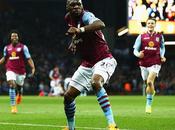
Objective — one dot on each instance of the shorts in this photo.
(146, 70)
(82, 77)
(19, 79)
(55, 83)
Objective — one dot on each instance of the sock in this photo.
(149, 100)
(19, 90)
(70, 114)
(103, 100)
(12, 94)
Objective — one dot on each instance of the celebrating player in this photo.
(55, 83)
(149, 48)
(97, 64)
(14, 55)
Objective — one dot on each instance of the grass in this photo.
(47, 113)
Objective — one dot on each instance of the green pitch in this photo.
(46, 113)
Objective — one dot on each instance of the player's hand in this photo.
(73, 31)
(72, 47)
(141, 54)
(33, 72)
(163, 59)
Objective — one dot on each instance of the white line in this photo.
(53, 126)
(170, 43)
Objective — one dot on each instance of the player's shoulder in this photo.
(21, 44)
(86, 12)
(67, 16)
(159, 33)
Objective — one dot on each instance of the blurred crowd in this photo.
(158, 9)
(44, 33)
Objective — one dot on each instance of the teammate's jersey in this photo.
(15, 57)
(55, 74)
(150, 44)
(92, 46)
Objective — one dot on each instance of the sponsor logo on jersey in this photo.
(150, 48)
(146, 38)
(13, 56)
(151, 44)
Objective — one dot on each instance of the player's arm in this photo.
(137, 45)
(2, 60)
(32, 66)
(91, 24)
(162, 49)
(29, 60)
(50, 75)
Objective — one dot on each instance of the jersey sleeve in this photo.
(162, 47)
(5, 51)
(137, 46)
(89, 18)
(26, 52)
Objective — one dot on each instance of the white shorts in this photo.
(146, 70)
(82, 77)
(55, 83)
(57, 91)
(19, 79)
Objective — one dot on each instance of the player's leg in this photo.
(103, 99)
(150, 90)
(19, 87)
(79, 81)
(11, 77)
(144, 74)
(70, 106)
(102, 72)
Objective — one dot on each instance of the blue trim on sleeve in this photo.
(89, 18)
(137, 43)
(162, 47)
(26, 52)
(5, 51)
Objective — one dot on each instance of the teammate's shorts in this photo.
(19, 79)
(55, 83)
(146, 70)
(82, 77)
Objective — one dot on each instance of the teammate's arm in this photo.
(137, 45)
(29, 60)
(162, 50)
(50, 75)
(2, 60)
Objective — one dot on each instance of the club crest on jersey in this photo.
(157, 39)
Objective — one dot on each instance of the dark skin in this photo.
(15, 40)
(97, 81)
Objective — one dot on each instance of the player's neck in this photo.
(14, 44)
(151, 32)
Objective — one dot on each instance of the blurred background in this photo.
(42, 25)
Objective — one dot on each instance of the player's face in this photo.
(151, 24)
(75, 8)
(14, 38)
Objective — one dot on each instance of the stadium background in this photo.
(41, 23)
